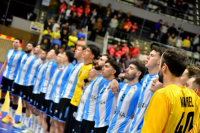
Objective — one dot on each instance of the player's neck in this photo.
(16, 49)
(52, 59)
(170, 79)
(31, 53)
(66, 63)
(37, 55)
(153, 70)
(80, 60)
(93, 78)
(111, 77)
(132, 82)
(45, 60)
(59, 64)
(88, 61)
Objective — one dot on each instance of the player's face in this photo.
(51, 54)
(107, 70)
(29, 48)
(184, 77)
(64, 56)
(131, 72)
(43, 55)
(152, 60)
(78, 52)
(87, 54)
(156, 85)
(59, 58)
(189, 83)
(16, 44)
(37, 49)
(101, 62)
(92, 73)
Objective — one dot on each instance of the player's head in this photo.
(68, 56)
(94, 72)
(173, 64)
(79, 52)
(111, 69)
(91, 52)
(17, 43)
(188, 73)
(43, 53)
(102, 60)
(156, 85)
(37, 49)
(60, 58)
(30, 47)
(51, 55)
(135, 70)
(153, 60)
(194, 84)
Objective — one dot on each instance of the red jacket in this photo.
(134, 52)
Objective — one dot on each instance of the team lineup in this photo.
(83, 93)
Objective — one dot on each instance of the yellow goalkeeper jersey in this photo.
(83, 74)
(173, 109)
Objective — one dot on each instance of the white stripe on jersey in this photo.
(34, 71)
(39, 79)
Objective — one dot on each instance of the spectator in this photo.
(126, 28)
(165, 38)
(93, 16)
(48, 24)
(81, 34)
(185, 7)
(195, 42)
(51, 9)
(56, 25)
(145, 4)
(178, 4)
(67, 14)
(126, 60)
(134, 51)
(172, 29)
(180, 30)
(128, 16)
(86, 3)
(73, 9)
(72, 28)
(72, 49)
(55, 46)
(143, 57)
(64, 37)
(79, 11)
(85, 18)
(157, 29)
(170, 4)
(96, 28)
(47, 32)
(118, 53)
(66, 27)
(99, 11)
(72, 40)
(80, 42)
(124, 49)
(179, 42)
(45, 43)
(61, 50)
(186, 43)
(105, 23)
(172, 40)
(72, 2)
(113, 25)
(139, 3)
(56, 41)
(56, 33)
(63, 7)
(191, 42)
(133, 30)
(163, 30)
(120, 14)
(107, 9)
(121, 24)
(111, 50)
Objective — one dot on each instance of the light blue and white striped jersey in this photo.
(40, 78)
(25, 69)
(48, 75)
(143, 102)
(13, 59)
(68, 90)
(53, 84)
(126, 106)
(106, 105)
(61, 83)
(90, 106)
(34, 71)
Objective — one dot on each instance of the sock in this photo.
(41, 130)
(10, 111)
(32, 121)
(35, 122)
(27, 119)
(1, 102)
(22, 118)
(38, 128)
(1, 105)
(13, 114)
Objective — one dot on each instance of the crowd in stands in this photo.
(170, 35)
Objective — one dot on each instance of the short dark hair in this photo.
(140, 67)
(70, 55)
(83, 47)
(176, 60)
(32, 43)
(109, 57)
(196, 82)
(192, 70)
(116, 66)
(56, 51)
(43, 47)
(160, 20)
(20, 41)
(160, 50)
(95, 50)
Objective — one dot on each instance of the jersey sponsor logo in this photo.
(142, 105)
(186, 102)
(120, 113)
(93, 97)
(102, 102)
(82, 101)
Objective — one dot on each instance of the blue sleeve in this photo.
(121, 84)
(157, 26)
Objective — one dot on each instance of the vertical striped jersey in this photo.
(126, 105)
(143, 102)
(13, 59)
(61, 83)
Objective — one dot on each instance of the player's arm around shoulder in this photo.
(157, 113)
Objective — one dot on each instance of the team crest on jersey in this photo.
(83, 72)
(130, 94)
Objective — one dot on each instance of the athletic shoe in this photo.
(13, 122)
(26, 131)
(7, 119)
(20, 126)
(18, 123)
